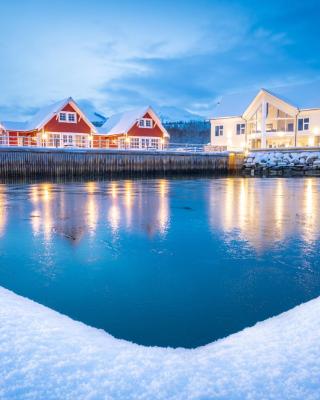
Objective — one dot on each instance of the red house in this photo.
(61, 124)
(136, 129)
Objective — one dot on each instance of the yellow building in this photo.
(268, 121)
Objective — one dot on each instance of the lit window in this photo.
(241, 129)
(155, 143)
(219, 130)
(134, 143)
(303, 124)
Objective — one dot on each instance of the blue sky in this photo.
(123, 54)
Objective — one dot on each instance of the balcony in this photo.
(271, 134)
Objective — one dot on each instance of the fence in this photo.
(28, 162)
(91, 142)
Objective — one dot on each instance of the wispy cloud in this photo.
(168, 53)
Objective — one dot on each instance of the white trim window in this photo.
(68, 117)
(218, 130)
(145, 123)
(134, 143)
(145, 143)
(241, 129)
(303, 124)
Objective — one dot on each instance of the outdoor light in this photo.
(315, 130)
(311, 141)
(127, 140)
(44, 136)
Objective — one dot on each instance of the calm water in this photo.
(163, 262)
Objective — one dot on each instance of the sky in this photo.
(115, 55)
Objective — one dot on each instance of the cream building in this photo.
(268, 121)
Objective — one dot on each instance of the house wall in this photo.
(55, 126)
(30, 138)
(232, 141)
(229, 139)
(146, 132)
(104, 141)
(312, 136)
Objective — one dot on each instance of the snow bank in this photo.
(45, 355)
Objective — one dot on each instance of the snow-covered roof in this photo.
(43, 116)
(121, 123)
(302, 96)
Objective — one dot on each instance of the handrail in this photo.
(91, 142)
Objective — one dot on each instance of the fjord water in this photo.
(167, 262)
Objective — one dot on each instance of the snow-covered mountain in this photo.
(174, 114)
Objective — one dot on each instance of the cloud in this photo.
(183, 54)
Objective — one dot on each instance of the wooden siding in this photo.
(55, 126)
(155, 131)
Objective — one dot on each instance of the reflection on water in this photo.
(163, 261)
(259, 214)
(265, 214)
(122, 204)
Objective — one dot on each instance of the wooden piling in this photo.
(69, 163)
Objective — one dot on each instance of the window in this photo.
(144, 143)
(81, 141)
(155, 143)
(67, 140)
(134, 143)
(219, 130)
(62, 117)
(290, 127)
(303, 124)
(70, 117)
(145, 123)
(241, 129)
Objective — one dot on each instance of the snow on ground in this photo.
(45, 355)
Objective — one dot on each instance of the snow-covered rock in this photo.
(45, 355)
(272, 159)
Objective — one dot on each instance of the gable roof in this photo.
(44, 115)
(121, 123)
(300, 96)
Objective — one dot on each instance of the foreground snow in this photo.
(45, 355)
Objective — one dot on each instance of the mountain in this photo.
(174, 114)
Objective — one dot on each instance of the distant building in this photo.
(136, 129)
(64, 124)
(269, 120)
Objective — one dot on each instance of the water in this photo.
(167, 262)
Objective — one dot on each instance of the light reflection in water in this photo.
(258, 212)
(92, 210)
(42, 214)
(163, 213)
(123, 203)
(265, 214)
